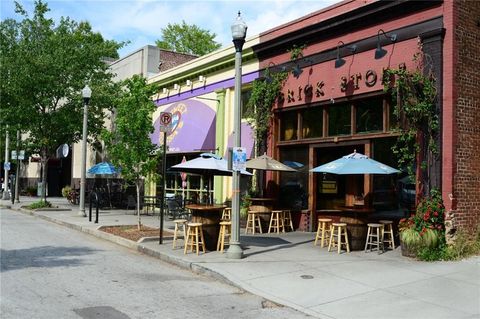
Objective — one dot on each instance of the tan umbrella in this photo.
(267, 163)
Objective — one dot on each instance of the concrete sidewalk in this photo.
(289, 270)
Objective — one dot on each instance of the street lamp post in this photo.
(239, 32)
(86, 94)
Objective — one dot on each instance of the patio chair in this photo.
(175, 210)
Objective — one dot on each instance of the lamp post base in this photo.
(235, 251)
(81, 213)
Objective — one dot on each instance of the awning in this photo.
(193, 127)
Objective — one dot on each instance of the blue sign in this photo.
(6, 166)
(239, 158)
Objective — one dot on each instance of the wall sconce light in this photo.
(165, 91)
(176, 87)
(339, 61)
(380, 52)
(202, 79)
(189, 83)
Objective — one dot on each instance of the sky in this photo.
(140, 21)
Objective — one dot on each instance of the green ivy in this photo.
(413, 96)
(259, 107)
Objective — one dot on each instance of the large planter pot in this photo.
(406, 251)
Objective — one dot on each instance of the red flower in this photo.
(435, 214)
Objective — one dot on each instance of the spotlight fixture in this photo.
(339, 61)
(176, 87)
(202, 79)
(189, 83)
(380, 52)
(165, 91)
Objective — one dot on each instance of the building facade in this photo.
(334, 102)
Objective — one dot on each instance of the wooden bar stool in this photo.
(183, 223)
(339, 230)
(287, 219)
(225, 231)
(374, 237)
(388, 231)
(323, 230)
(194, 238)
(227, 214)
(253, 222)
(276, 222)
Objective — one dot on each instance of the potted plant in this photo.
(425, 228)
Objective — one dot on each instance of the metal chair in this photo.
(175, 210)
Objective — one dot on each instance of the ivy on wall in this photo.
(414, 99)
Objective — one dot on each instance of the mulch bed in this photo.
(131, 231)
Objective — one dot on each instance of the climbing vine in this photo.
(413, 96)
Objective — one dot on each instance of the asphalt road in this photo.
(48, 271)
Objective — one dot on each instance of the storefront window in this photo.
(288, 126)
(339, 120)
(312, 123)
(293, 192)
(369, 115)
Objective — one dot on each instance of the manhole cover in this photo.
(306, 276)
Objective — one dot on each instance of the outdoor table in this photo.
(209, 216)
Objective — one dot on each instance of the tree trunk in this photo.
(137, 185)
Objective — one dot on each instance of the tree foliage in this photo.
(185, 38)
(129, 145)
(44, 66)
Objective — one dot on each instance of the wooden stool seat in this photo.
(323, 230)
(276, 222)
(374, 236)
(194, 238)
(339, 237)
(253, 222)
(388, 231)
(225, 231)
(183, 223)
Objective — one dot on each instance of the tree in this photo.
(129, 145)
(188, 39)
(44, 66)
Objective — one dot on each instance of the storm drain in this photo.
(306, 276)
(100, 312)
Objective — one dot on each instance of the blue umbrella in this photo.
(103, 168)
(355, 163)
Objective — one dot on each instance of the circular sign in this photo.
(165, 118)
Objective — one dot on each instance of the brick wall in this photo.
(467, 115)
(170, 59)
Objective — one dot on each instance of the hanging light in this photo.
(339, 61)
(380, 52)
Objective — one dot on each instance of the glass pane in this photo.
(288, 126)
(312, 123)
(339, 120)
(294, 186)
(369, 115)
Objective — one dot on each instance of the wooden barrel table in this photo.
(356, 219)
(209, 216)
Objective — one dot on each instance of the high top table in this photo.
(209, 216)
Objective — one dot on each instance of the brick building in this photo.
(337, 80)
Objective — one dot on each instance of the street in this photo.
(48, 271)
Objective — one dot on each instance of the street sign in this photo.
(165, 121)
(239, 158)
(21, 155)
(6, 166)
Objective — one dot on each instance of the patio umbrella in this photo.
(355, 163)
(207, 165)
(103, 168)
(267, 163)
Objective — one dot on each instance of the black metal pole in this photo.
(162, 199)
(90, 209)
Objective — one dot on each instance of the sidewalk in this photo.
(290, 271)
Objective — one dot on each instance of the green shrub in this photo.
(40, 204)
(31, 191)
(66, 191)
(411, 238)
